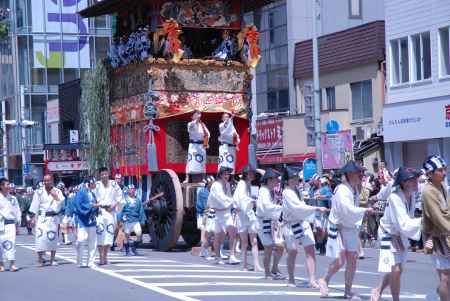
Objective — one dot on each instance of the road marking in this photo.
(184, 270)
(194, 276)
(282, 293)
(149, 286)
(189, 284)
(167, 265)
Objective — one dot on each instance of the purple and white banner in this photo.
(69, 46)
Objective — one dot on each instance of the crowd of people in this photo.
(324, 215)
(327, 215)
(93, 216)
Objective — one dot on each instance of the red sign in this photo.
(269, 136)
(447, 112)
(280, 159)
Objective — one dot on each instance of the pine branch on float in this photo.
(96, 115)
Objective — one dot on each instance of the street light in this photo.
(23, 124)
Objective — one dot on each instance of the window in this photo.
(362, 100)
(271, 25)
(355, 9)
(399, 61)
(421, 51)
(272, 76)
(331, 98)
(278, 101)
(444, 52)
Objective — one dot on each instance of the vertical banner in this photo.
(60, 17)
(337, 149)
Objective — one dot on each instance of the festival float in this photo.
(170, 58)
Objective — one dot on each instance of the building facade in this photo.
(279, 91)
(51, 44)
(352, 86)
(416, 118)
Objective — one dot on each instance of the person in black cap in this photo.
(268, 213)
(396, 226)
(436, 221)
(342, 244)
(85, 209)
(296, 229)
(248, 224)
(221, 201)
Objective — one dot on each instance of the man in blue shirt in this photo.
(85, 209)
(132, 216)
(202, 215)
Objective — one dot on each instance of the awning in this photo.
(285, 159)
(108, 7)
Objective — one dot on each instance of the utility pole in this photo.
(316, 85)
(4, 140)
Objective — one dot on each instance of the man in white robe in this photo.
(248, 223)
(296, 229)
(345, 216)
(45, 207)
(396, 226)
(220, 199)
(268, 214)
(10, 216)
(198, 143)
(229, 142)
(109, 197)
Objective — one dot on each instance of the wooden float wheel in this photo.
(166, 212)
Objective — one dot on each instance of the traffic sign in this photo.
(332, 127)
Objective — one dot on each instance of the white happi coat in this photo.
(111, 196)
(247, 216)
(196, 162)
(220, 199)
(398, 221)
(345, 216)
(227, 148)
(10, 212)
(268, 214)
(295, 215)
(46, 231)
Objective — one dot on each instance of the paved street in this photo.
(180, 276)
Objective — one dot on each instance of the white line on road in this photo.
(166, 265)
(183, 270)
(131, 280)
(194, 276)
(189, 284)
(282, 293)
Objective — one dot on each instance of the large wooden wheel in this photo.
(166, 212)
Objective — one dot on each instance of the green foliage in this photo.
(4, 29)
(96, 115)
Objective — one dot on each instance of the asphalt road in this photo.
(178, 275)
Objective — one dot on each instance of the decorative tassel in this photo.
(172, 29)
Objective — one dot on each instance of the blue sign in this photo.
(2, 173)
(309, 168)
(332, 127)
(26, 169)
